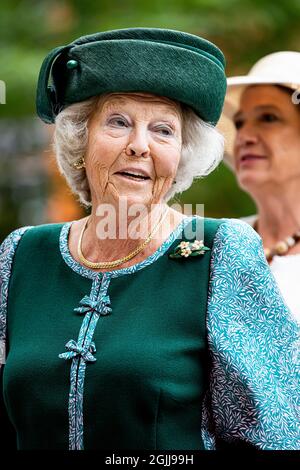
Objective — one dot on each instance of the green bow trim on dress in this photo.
(186, 249)
(75, 350)
(99, 306)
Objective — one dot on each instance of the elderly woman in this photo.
(152, 341)
(264, 109)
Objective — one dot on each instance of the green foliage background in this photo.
(245, 30)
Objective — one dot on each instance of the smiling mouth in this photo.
(247, 158)
(132, 176)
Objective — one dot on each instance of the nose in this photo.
(246, 136)
(138, 145)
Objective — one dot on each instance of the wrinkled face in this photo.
(267, 144)
(134, 148)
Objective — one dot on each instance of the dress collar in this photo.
(91, 274)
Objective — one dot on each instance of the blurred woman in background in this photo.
(264, 108)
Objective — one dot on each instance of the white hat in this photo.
(279, 68)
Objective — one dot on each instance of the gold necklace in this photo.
(282, 247)
(117, 262)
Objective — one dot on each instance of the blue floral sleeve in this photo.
(254, 387)
(7, 251)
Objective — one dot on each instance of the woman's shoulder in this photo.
(223, 233)
(12, 240)
(232, 229)
(236, 246)
(35, 229)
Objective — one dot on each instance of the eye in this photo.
(164, 130)
(118, 121)
(268, 117)
(238, 123)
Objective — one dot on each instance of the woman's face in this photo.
(134, 148)
(267, 143)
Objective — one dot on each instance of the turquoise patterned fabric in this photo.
(82, 352)
(253, 394)
(7, 251)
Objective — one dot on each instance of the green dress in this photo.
(182, 353)
(134, 372)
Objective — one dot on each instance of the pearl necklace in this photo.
(282, 247)
(117, 262)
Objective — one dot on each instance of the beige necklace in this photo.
(117, 262)
(282, 247)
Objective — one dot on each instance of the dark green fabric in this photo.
(8, 433)
(174, 64)
(145, 390)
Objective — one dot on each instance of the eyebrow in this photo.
(167, 121)
(257, 108)
(170, 121)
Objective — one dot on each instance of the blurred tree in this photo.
(28, 29)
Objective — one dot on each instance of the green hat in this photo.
(174, 64)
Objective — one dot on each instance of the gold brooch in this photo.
(186, 249)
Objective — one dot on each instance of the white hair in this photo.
(202, 148)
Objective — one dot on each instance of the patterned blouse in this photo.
(254, 385)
